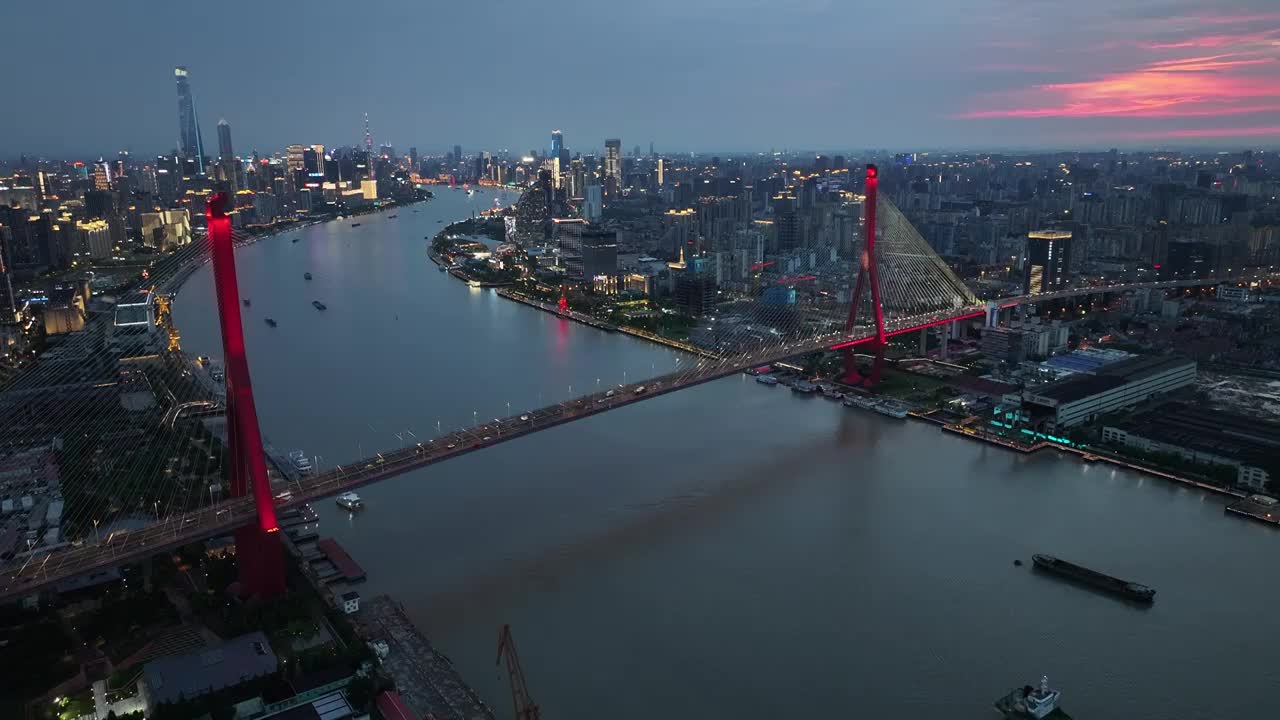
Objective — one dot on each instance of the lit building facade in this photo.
(1048, 261)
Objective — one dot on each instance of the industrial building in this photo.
(1201, 435)
(183, 677)
(1116, 386)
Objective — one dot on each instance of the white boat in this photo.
(860, 401)
(891, 409)
(300, 462)
(766, 380)
(1029, 702)
(350, 501)
(829, 392)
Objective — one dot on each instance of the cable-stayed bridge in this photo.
(116, 424)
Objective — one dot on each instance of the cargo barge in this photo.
(1071, 571)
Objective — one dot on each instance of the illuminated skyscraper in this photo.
(1048, 260)
(224, 140)
(557, 144)
(102, 175)
(612, 175)
(192, 147)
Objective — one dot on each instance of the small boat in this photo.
(442, 268)
(804, 387)
(350, 501)
(296, 239)
(1032, 703)
(766, 380)
(392, 217)
(300, 462)
(355, 224)
(319, 305)
(439, 221)
(306, 276)
(829, 392)
(269, 322)
(892, 409)
(247, 302)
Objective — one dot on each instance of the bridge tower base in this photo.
(259, 553)
(868, 277)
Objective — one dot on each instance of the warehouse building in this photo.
(1117, 386)
(1202, 435)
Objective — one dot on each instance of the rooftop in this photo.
(1221, 433)
(1107, 377)
(187, 676)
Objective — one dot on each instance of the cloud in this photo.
(1182, 82)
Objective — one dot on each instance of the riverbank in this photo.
(547, 307)
(425, 678)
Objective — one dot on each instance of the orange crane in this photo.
(525, 708)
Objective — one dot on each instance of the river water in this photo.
(732, 549)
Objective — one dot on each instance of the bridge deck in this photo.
(31, 573)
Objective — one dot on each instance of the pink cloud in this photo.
(1237, 80)
(1215, 41)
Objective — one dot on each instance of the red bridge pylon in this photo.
(259, 553)
(868, 275)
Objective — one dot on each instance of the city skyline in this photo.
(998, 75)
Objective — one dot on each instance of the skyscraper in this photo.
(1048, 259)
(192, 148)
(224, 140)
(557, 144)
(612, 166)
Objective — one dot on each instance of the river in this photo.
(731, 549)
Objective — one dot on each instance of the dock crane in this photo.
(525, 708)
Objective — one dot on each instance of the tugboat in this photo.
(319, 305)
(350, 501)
(306, 276)
(1028, 702)
(270, 322)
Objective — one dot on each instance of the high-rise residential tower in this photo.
(192, 147)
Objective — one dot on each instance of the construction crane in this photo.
(525, 708)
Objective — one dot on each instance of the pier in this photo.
(425, 678)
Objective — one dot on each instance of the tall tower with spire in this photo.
(191, 145)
